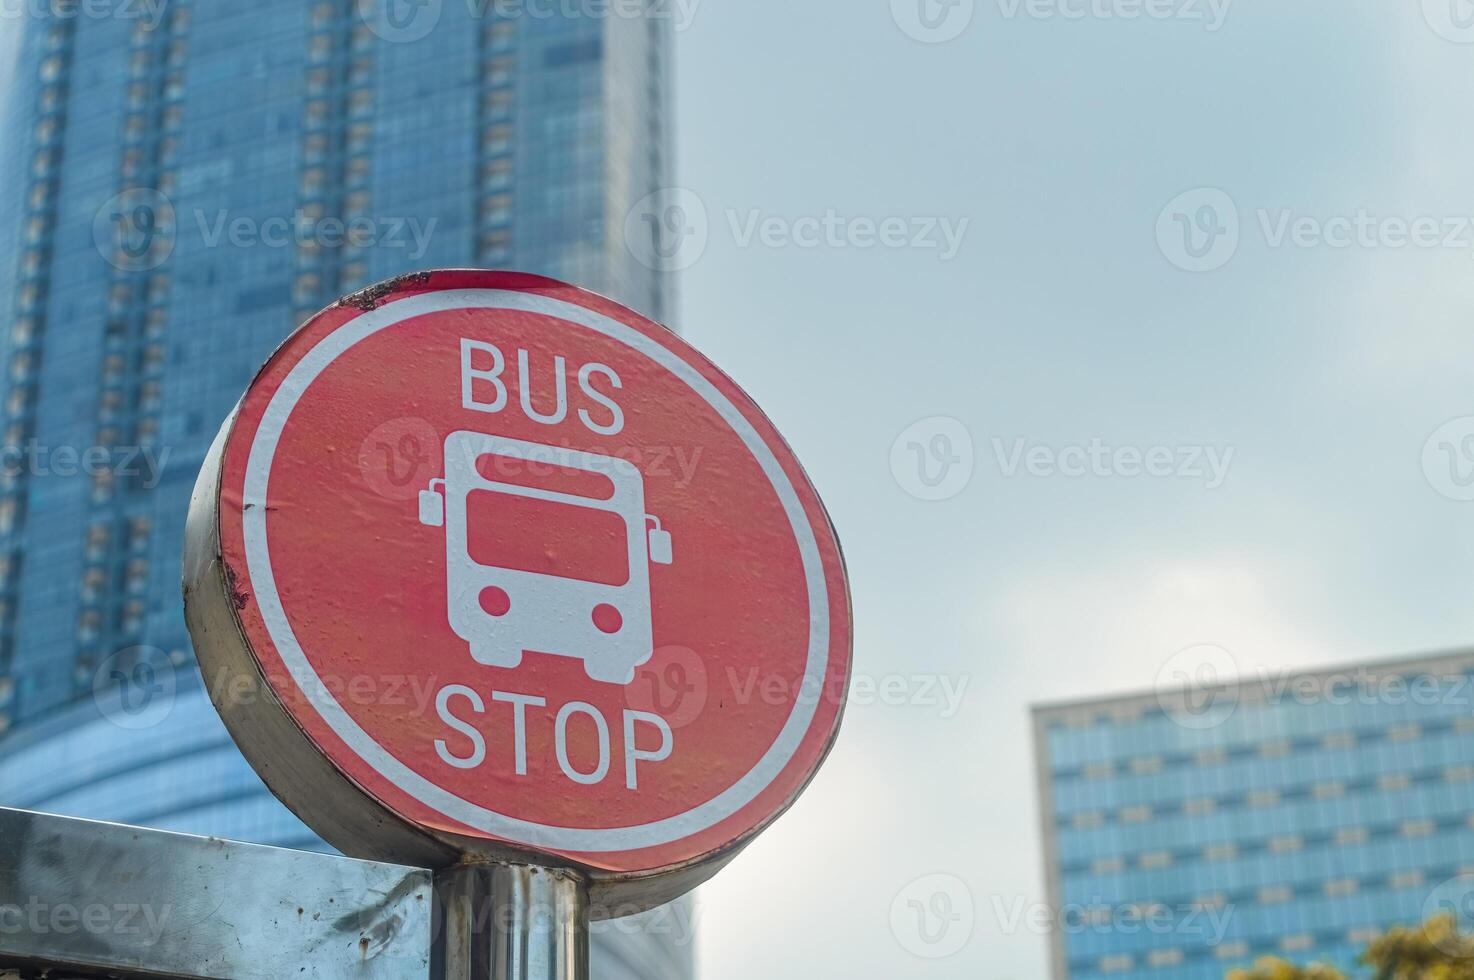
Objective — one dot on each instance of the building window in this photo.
(1226, 851)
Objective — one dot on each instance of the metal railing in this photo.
(107, 900)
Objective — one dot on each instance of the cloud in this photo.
(1407, 311)
(1115, 627)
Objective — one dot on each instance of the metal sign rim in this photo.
(330, 801)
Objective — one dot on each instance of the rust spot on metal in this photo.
(371, 297)
(238, 596)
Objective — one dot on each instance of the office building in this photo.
(182, 182)
(1295, 815)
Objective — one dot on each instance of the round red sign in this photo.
(517, 572)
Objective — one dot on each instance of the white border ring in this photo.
(587, 840)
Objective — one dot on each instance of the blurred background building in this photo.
(1298, 815)
(182, 182)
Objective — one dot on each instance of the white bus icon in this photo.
(547, 550)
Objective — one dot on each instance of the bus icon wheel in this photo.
(608, 672)
(493, 655)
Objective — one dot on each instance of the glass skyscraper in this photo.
(1190, 831)
(182, 182)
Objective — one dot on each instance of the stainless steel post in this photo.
(510, 922)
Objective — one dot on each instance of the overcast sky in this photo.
(1198, 232)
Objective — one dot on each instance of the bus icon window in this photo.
(547, 550)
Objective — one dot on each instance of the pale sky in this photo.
(1314, 362)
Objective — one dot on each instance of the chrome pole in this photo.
(510, 922)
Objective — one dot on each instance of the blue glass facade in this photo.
(182, 182)
(179, 194)
(1295, 816)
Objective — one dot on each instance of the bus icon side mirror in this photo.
(432, 506)
(662, 551)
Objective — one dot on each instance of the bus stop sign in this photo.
(484, 566)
